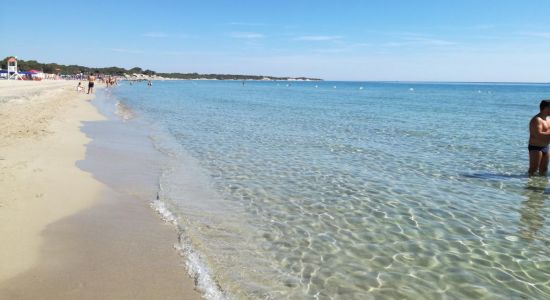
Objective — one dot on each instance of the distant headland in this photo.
(54, 68)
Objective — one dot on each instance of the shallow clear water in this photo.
(347, 190)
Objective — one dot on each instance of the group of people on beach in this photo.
(109, 81)
(91, 83)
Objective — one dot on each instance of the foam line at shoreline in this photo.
(195, 264)
(67, 224)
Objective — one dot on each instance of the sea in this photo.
(348, 190)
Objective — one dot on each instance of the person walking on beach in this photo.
(91, 81)
(539, 138)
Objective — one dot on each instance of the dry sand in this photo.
(64, 234)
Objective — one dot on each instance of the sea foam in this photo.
(195, 266)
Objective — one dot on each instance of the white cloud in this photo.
(332, 50)
(542, 34)
(246, 24)
(247, 35)
(343, 48)
(161, 35)
(155, 34)
(123, 50)
(318, 38)
(419, 40)
(430, 41)
(394, 44)
(176, 53)
(470, 27)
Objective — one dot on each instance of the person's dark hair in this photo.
(544, 104)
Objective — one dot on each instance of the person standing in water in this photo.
(91, 81)
(539, 138)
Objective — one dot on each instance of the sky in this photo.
(391, 40)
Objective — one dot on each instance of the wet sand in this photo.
(66, 233)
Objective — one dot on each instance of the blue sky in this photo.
(440, 40)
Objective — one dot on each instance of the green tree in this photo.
(137, 70)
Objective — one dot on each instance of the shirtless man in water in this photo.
(91, 81)
(539, 138)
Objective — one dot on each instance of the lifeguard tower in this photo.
(12, 69)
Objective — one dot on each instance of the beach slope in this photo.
(65, 235)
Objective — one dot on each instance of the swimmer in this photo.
(539, 138)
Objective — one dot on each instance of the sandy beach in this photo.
(65, 234)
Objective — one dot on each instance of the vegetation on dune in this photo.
(25, 65)
(227, 76)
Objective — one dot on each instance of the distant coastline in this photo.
(196, 76)
(55, 68)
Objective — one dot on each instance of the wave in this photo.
(195, 263)
(196, 268)
(124, 111)
(166, 207)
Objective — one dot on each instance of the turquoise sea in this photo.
(350, 190)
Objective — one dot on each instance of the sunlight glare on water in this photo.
(366, 191)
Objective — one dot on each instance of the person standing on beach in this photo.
(91, 81)
(539, 138)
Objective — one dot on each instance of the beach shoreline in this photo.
(70, 235)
